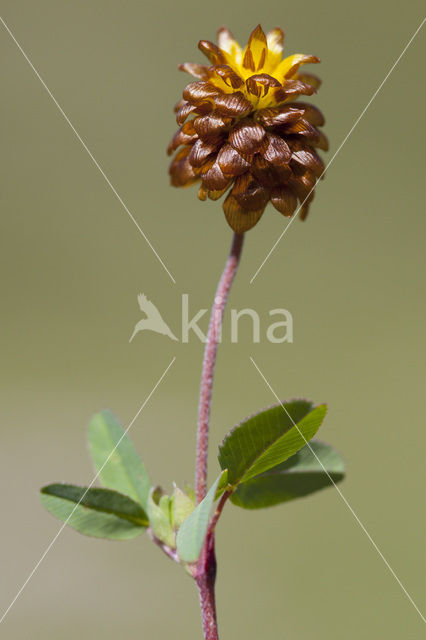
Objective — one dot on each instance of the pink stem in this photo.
(206, 568)
(205, 580)
(210, 352)
(218, 512)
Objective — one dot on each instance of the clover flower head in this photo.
(244, 131)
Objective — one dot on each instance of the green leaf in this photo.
(182, 507)
(124, 471)
(190, 492)
(267, 438)
(160, 516)
(297, 477)
(101, 513)
(223, 485)
(191, 535)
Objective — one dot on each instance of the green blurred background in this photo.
(72, 264)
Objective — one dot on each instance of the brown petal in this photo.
(229, 77)
(322, 142)
(197, 92)
(247, 137)
(275, 117)
(202, 193)
(249, 193)
(178, 105)
(237, 217)
(284, 201)
(311, 113)
(207, 165)
(200, 71)
(292, 88)
(307, 158)
(231, 162)
(179, 138)
(181, 172)
(184, 112)
(268, 175)
(256, 50)
(211, 125)
(213, 53)
(214, 180)
(215, 195)
(260, 83)
(305, 131)
(276, 150)
(232, 104)
(200, 151)
(303, 186)
(303, 213)
(188, 128)
(204, 108)
(310, 78)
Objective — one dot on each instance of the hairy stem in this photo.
(206, 569)
(205, 582)
(218, 512)
(210, 352)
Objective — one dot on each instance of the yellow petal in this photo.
(288, 67)
(256, 50)
(275, 41)
(229, 45)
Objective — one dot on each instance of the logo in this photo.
(275, 332)
(153, 320)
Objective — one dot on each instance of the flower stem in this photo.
(210, 352)
(206, 569)
(205, 580)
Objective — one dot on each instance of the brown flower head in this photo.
(248, 132)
